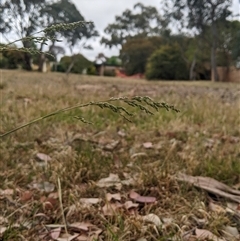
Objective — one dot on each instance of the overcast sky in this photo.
(103, 12)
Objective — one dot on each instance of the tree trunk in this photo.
(101, 70)
(42, 58)
(70, 66)
(192, 75)
(41, 62)
(27, 61)
(213, 53)
(214, 65)
(27, 56)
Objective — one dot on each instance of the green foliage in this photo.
(114, 61)
(136, 51)
(62, 17)
(29, 12)
(91, 70)
(193, 50)
(11, 58)
(167, 63)
(31, 17)
(229, 41)
(65, 14)
(3, 62)
(205, 17)
(145, 21)
(109, 72)
(80, 63)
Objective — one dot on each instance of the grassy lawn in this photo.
(39, 193)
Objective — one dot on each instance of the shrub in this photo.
(91, 70)
(166, 63)
(3, 62)
(80, 63)
(109, 72)
(135, 53)
(10, 58)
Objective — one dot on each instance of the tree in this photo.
(136, 51)
(145, 21)
(166, 63)
(194, 52)
(200, 15)
(114, 61)
(21, 18)
(64, 11)
(81, 63)
(11, 58)
(25, 17)
(229, 39)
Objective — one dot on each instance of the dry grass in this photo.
(203, 139)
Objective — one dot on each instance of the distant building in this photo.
(107, 66)
(228, 74)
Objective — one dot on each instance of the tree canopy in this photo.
(204, 17)
(136, 51)
(167, 64)
(26, 17)
(142, 21)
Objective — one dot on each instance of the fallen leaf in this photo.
(237, 186)
(233, 206)
(78, 226)
(128, 182)
(130, 204)
(115, 196)
(95, 234)
(152, 218)
(121, 133)
(167, 220)
(55, 225)
(26, 196)
(90, 201)
(203, 234)
(216, 208)
(141, 199)
(2, 230)
(82, 237)
(211, 185)
(231, 232)
(111, 146)
(41, 215)
(133, 194)
(3, 220)
(53, 195)
(44, 186)
(200, 221)
(145, 199)
(97, 231)
(112, 180)
(49, 203)
(43, 157)
(6, 192)
(148, 145)
(55, 233)
(67, 237)
(138, 154)
(117, 161)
